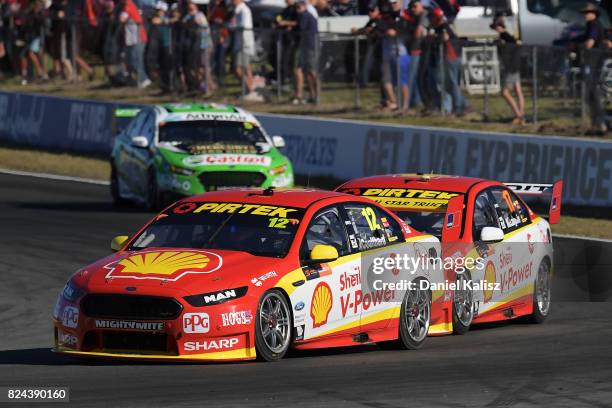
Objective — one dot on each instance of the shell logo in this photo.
(321, 304)
(489, 277)
(164, 265)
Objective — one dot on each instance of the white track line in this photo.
(53, 177)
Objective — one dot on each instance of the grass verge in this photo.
(20, 158)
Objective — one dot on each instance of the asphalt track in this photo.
(48, 229)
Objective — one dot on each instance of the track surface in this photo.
(48, 229)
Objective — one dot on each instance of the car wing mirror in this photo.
(322, 253)
(491, 235)
(278, 141)
(140, 142)
(119, 242)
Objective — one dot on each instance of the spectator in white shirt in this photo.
(243, 47)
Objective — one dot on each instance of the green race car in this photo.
(176, 150)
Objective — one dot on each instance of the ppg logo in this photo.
(196, 323)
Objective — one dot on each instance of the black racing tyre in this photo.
(541, 293)
(114, 187)
(273, 324)
(155, 199)
(463, 305)
(414, 320)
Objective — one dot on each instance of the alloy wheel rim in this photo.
(417, 314)
(463, 300)
(543, 289)
(274, 323)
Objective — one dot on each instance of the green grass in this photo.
(581, 222)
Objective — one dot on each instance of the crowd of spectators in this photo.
(185, 47)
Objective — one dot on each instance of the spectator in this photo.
(285, 24)
(371, 29)
(60, 48)
(395, 59)
(510, 57)
(451, 98)
(593, 42)
(340, 8)
(244, 48)
(218, 16)
(307, 54)
(135, 38)
(159, 52)
(415, 21)
(176, 41)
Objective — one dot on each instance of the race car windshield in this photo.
(256, 229)
(209, 132)
(428, 222)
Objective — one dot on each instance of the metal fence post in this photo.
(243, 65)
(398, 90)
(280, 78)
(485, 106)
(356, 75)
(316, 68)
(584, 113)
(534, 93)
(442, 78)
(73, 45)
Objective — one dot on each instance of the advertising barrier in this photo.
(345, 149)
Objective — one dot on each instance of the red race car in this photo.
(231, 275)
(485, 221)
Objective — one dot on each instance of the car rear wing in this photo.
(122, 118)
(555, 190)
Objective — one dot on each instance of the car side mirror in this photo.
(323, 253)
(140, 142)
(119, 242)
(278, 141)
(491, 234)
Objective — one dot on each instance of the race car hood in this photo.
(181, 271)
(242, 157)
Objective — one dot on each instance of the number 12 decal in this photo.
(370, 216)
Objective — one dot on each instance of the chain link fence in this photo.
(337, 72)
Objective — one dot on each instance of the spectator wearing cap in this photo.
(593, 43)
(159, 52)
(510, 57)
(135, 38)
(373, 41)
(451, 98)
(244, 47)
(307, 54)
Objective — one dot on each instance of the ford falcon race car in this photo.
(484, 220)
(186, 149)
(245, 273)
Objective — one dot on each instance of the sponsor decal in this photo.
(513, 277)
(227, 159)
(405, 198)
(231, 208)
(236, 318)
(299, 332)
(356, 301)
(212, 345)
(227, 116)
(215, 298)
(259, 280)
(66, 339)
(505, 257)
(196, 323)
(70, 317)
(164, 265)
(299, 306)
(490, 276)
(530, 243)
(129, 325)
(321, 304)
